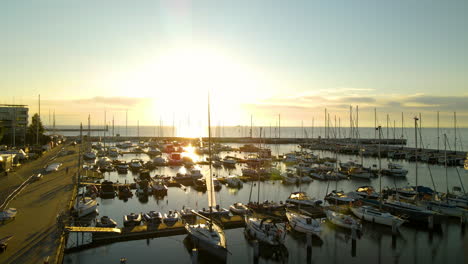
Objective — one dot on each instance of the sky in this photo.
(159, 60)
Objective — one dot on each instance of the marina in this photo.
(208, 132)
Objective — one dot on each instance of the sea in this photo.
(427, 137)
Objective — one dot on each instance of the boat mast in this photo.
(380, 171)
(455, 131)
(416, 149)
(438, 133)
(445, 163)
(375, 122)
(210, 191)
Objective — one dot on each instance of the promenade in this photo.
(35, 231)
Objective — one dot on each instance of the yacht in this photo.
(342, 220)
(374, 215)
(85, 206)
(302, 199)
(304, 224)
(234, 182)
(264, 230)
(239, 208)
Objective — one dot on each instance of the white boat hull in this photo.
(299, 224)
(388, 221)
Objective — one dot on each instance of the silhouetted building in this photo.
(13, 123)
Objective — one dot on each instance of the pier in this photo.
(103, 236)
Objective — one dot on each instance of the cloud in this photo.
(112, 101)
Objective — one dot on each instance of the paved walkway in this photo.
(35, 228)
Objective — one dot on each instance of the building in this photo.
(13, 124)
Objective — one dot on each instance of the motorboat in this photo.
(229, 162)
(132, 220)
(113, 152)
(107, 189)
(217, 164)
(105, 221)
(318, 175)
(85, 205)
(267, 207)
(335, 175)
(195, 174)
(305, 179)
(135, 164)
(365, 192)
(159, 161)
(338, 197)
(343, 220)
(175, 159)
(171, 217)
(247, 172)
(233, 182)
(217, 185)
(187, 214)
(302, 199)
(90, 155)
(143, 187)
(153, 217)
(304, 224)
(372, 214)
(125, 144)
(239, 208)
(360, 173)
(153, 151)
(289, 178)
(159, 188)
(121, 168)
(217, 211)
(264, 230)
(395, 170)
(124, 192)
(199, 185)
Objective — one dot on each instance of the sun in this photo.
(179, 79)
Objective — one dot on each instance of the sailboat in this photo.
(445, 207)
(209, 237)
(301, 222)
(84, 205)
(375, 215)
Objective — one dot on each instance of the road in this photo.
(35, 231)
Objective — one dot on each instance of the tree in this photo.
(32, 133)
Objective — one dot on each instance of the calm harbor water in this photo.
(414, 245)
(429, 135)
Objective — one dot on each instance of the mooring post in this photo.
(256, 251)
(353, 241)
(394, 233)
(194, 255)
(463, 223)
(309, 247)
(430, 221)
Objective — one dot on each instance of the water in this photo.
(429, 136)
(412, 246)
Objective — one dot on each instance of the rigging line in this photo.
(430, 171)
(458, 172)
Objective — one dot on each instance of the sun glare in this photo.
(179, 81)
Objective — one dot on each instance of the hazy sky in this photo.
(158, 59)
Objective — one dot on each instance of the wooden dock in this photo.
(102, 236)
